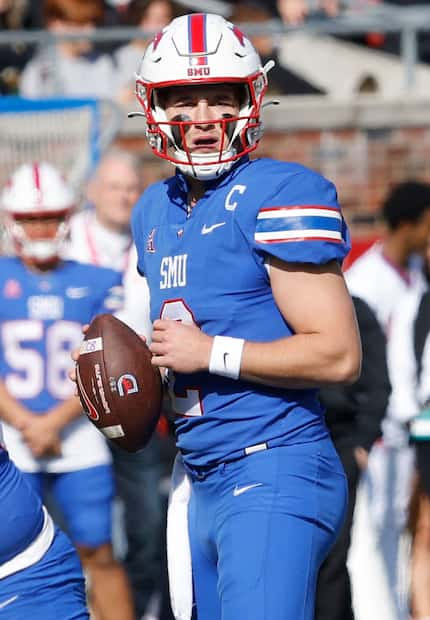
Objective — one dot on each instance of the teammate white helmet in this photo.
(36, 191)
(201, 49)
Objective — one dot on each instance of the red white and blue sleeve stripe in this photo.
(282, 224)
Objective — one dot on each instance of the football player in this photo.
(40, 573)
(250, 314)
(44, 303)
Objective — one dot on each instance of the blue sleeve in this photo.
(302, 221)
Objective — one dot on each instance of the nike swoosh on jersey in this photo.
(76, 292)
(239, 490)
(208, 229)
(9, 601)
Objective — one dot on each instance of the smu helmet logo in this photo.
(127, 384)
(198, 71)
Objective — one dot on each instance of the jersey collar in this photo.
(213, 184)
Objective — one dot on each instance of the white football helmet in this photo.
(36, 191)
(201, 49)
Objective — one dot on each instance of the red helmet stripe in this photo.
(37, 185)
(197, 36)
(36, 176)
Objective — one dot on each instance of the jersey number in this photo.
(30, 370)
(188, 401)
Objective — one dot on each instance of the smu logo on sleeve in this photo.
(173, 271)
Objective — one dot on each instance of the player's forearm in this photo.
(301, 361)
(11, 410)
(65, 412)
(298, 361)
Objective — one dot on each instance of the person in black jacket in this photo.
(353, 415)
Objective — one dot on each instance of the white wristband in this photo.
(226, 356)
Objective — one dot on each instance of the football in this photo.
(119, 389)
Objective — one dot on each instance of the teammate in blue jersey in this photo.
(250, 315)
(40, 573)
(44, 303)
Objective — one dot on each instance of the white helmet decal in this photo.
(201, 49)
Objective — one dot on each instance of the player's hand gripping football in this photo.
(75, 356)
(182, 347)
(178, 346)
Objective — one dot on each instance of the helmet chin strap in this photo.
(197, 168)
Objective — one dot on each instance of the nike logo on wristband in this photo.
(225, 357)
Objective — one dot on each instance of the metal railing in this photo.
(359, 17)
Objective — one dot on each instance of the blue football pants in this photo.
(260, 527)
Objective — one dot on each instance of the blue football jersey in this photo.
(209, 267)
(41, 318)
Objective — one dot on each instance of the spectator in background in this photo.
(101, 235)
(353, 415)
(294, 12)
(392, 42)
(100, 232)
(151, 16)
(114, 12)
(45, 301)
(382, 276)
(353, 70)
(70, 68)
(283, 81)
(16, 15)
